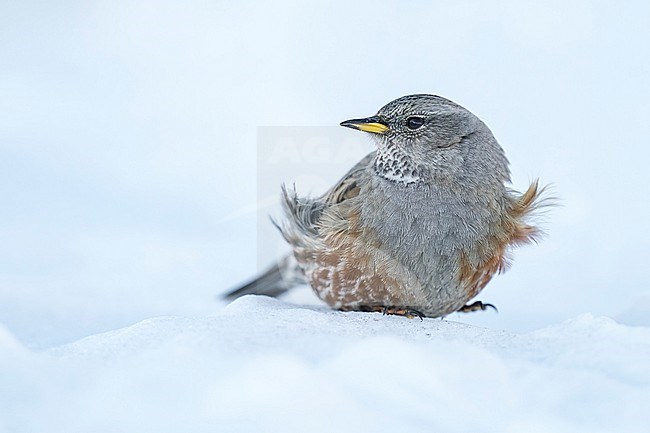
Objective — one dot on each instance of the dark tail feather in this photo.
(275, 281)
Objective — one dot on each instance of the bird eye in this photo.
(414, 122)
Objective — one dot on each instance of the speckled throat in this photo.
(394, 164)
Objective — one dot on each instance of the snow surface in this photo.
(133, 177)
(263, 365)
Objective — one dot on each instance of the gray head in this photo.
(424, 137)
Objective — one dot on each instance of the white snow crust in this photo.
(263, 365)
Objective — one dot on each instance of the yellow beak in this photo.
(371, 124)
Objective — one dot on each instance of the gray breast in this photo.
(425, 228)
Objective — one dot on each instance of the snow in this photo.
(261, 364)
(136, 182)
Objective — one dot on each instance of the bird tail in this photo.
(276, 280)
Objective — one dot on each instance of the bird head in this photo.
(425, 136)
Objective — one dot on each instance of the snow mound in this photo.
(264, 365)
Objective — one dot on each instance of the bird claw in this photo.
(476, 306)
(409, 313)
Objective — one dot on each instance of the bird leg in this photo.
(476, 306)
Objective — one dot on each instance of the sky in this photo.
(130, 139)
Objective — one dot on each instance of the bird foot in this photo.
(407, 312)
(402, 311)
(476, 306)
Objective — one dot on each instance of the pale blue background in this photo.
(128, 142)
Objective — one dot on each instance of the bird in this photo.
(418, 227)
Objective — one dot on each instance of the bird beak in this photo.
(370, 124)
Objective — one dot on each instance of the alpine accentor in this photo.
(418, 227)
